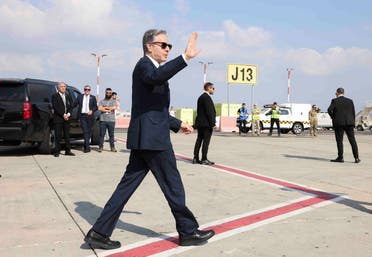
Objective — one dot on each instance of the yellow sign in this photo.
(241, 74)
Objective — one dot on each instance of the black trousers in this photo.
(164, 168)
(86, 122)
(339, 133)
(59, 129)
(204, 137)
(243, 124)
(276, 121)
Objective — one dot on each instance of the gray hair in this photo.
(149, 37)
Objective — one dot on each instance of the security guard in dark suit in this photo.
(342, 112)
(149, 141)
(205, 121)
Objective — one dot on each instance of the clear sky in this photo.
(328, 44)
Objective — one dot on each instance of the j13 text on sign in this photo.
(241, 74)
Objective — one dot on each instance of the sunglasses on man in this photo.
(163, 45)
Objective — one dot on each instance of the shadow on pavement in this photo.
(21, 150)
(90, 213)
(306, 157)
(357, 205)
(27, 149)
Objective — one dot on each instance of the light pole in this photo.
(205, 64)
(289, 83)
(99, 57)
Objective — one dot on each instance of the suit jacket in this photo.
(150, 120)
(79, 102)
(342, 112)
(59, 107)
(206, 113)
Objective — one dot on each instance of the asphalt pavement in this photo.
(265, 196)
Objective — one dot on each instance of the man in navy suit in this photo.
(342, 112)
(87, 105)
(149, 141)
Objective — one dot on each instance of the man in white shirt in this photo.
(87, 106)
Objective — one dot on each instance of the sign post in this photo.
(245, 74)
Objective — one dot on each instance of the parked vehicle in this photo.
(293, 117)
(26, 113)
(324, 120)
(363, 120)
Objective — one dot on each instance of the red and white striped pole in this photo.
(205, 70)
(205, 73)
(98, 77)
(289, 83)
(99, 57)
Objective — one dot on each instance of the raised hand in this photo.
(191, 50)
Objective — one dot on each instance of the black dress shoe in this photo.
(199, 236)
(357, 160)
(195, 161)
(69, 153)
(97, 240)
(86, 150)
(207, 162)
(338, 160)
(56, 154)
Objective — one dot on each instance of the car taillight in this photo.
(27, 111)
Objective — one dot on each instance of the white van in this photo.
(293, 117)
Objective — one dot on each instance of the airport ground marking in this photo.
(167, 245)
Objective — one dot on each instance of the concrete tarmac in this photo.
(258, 197)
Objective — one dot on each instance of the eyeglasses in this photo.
(163, 45)
(86, 89)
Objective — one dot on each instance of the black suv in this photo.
(26, 113)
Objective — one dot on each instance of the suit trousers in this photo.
(204, 137)
(339, 133)
(164, 168)
(60, 128)
(86, 122)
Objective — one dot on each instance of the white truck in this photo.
(324, 120)
(293, 117)
(363, 120)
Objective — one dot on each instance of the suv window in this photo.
(73, 93)
(284, 112)
(41, 92)
(12, 92)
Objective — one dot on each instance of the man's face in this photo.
(62, 88)
(155, 49)
(211, 90)
(87, 90)
(108, 93)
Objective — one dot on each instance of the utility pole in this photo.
(99, 58)
(205, 64)
(289, 83)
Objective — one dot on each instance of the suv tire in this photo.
(297, 128)
(46, 146)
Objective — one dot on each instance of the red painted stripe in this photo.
(172, 242)
(266, 179)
